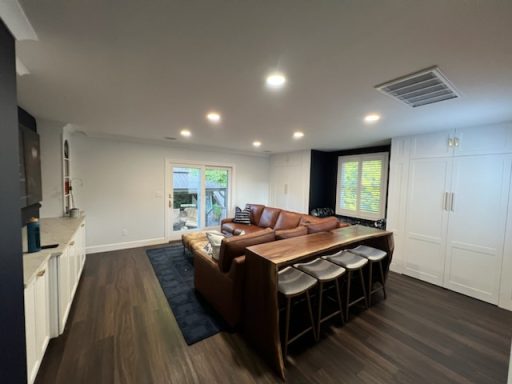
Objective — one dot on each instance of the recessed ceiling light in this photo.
(185, 133)
(298, 135)
(275, 80)
(372, 118)
(213, 117)
(256, 144)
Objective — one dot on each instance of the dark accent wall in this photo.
(12, 317)
(323, 177)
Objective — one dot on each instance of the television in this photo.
(30, 167)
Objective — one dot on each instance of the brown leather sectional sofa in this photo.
(221, 282)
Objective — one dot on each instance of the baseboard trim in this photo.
(125, 245)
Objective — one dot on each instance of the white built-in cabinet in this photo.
(70, 265)
(449, 206)
(37, 320)
(289, 180)
(39, 308)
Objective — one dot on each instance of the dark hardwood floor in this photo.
(121, 330)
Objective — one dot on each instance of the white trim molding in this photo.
(16, 20)
(125, 245)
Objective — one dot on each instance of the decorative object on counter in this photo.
(74, 212)
(33, 235)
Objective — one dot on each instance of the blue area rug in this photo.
(175, 272)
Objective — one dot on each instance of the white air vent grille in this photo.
(421, 88)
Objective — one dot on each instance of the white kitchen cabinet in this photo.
(37, 325)
(30, 331)
(427, 220)
(64, 288)
(456, 227)
(476, 230)
(432, 145)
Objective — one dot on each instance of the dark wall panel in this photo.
(323, 177)
(12, 318)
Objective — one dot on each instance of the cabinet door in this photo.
(30, 331)
(42, 304)
(491, 139)
(64, 289)
(426, 219)
(476, 230)
(432, 145)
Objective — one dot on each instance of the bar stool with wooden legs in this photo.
(352, 263)
(293, 283)
(325, 273)
(373, 255)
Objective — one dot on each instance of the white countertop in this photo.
(58, 230)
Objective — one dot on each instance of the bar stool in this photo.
(352, 263)
(373, 255)
(292, 283)
(324, 272)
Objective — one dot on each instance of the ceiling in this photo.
(147, 69)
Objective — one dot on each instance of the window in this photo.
(362, 182)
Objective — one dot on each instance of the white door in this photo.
(427, 219)
(199, 196)
(478, 210)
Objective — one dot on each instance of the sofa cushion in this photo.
(282, 234)
(287, 220)
(256, 210)
(327, 224)
(235, 229)
(242, 216)
(269, 217)
(235, 246)
(308, 219)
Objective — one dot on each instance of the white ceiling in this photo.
(147, 69)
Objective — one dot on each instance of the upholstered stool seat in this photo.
(292, 283)
(373, 255)
(324, 272)
(352, 263)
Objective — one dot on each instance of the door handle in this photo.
(446, 201)
(452, 200)
(450, 142)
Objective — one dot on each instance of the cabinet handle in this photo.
(41, 273)
(445, 200)
(450, 142)
(452, 199)
(72, 243)
(456, 142)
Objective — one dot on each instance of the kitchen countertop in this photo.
(54, 230)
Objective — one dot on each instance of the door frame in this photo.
(169, 234)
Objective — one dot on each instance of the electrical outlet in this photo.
(124, 232)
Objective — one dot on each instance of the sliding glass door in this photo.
(199, 196)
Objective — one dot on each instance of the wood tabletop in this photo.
(283, 251)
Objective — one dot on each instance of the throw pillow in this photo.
(215, 240)
(208, 249)
(242, 216)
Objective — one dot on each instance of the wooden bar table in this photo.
(261, 311)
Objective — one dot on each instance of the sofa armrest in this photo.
(237, 268)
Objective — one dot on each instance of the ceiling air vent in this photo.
(421, 88)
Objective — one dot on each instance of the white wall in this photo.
(289, 180)
(121, 186)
